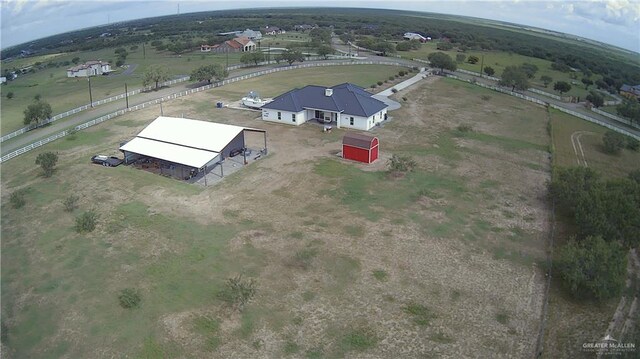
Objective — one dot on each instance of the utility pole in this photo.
(126, 94)
(90, 95)
(481, 65)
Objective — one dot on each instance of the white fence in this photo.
(184, 93)
(85, 107)
(540, 102)
(544, 93)
(473, 73)
(614, 117)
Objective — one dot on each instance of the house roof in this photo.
(242, 40)
(169, 152)
(632, 89)
(357, 140)
(346, 98)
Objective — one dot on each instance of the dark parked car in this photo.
(108, 161)
(239, 151)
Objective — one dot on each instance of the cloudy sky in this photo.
(615, 22)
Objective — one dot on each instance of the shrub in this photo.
(129, 298)
(404, 99)
(9, 95)
(380, 275)
(47, 161)
(380, 83)
(613, 142)
(391, 78)
(633, 144)
(374, 86)
(70, 203)
(463, 128)
(304, 258)
(421, 314)
(86, 222)
(394, 90)
(238, 292)
(401, 73)
(17, 199)
(401, 163)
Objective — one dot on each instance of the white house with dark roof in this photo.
(89, 68)
(345, 105)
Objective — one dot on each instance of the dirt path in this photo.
(577, 147)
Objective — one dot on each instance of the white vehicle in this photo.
(253, 100)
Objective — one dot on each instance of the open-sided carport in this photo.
(183, 148)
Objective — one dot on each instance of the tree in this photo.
(515, 77)
(613, 142)
(47, 162)
(592, 268)
(489, 70)
(75, 60)
(444, 46)
(249, 57)
(238, 291)
(9, 95)
(384, 47)
(562, 87)
(546, 80)
(325, 51)
(215, 72)
(587, 82)
(442, 61)
(595, 98)
(155, 74)
(630, 109)
(291, 56)
(473, 59)
(529, 69)
(36, 112)
(460, 58)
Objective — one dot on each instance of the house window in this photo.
(293, 117)
(279, 115)
(351, 121)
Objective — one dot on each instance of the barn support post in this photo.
(265, 142)
(221, 170)
(205, 175)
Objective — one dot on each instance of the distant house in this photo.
(304, 27)
(415, 36)
(345, 105)
(630, 91)
(272, 30)
(89, 68)
(239, 44)
(3, 80)
(248, 33)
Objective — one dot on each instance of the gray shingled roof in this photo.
(347, 98)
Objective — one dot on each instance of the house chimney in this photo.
(328, 92)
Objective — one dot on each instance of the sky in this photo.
(615, 22)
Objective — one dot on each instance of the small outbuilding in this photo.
(359, 147)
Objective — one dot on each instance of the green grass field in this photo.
(607, 165)
(498, 60)
(65, 93)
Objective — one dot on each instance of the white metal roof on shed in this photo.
(204, 135)
(169, 152)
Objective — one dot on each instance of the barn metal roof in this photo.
(347, 98)
(357, 140)
(202, 135)
(169, 152)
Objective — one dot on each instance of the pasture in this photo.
(348, 260)
(498, 60)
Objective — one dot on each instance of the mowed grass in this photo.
(64, 93)
(498, 60)
(280, 82)
(608, 165)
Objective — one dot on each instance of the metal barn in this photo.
(183, 148)
(359, 147)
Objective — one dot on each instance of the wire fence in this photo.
(185, 93)
(614, 117)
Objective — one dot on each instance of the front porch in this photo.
(323, 116)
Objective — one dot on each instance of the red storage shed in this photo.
(358, 147)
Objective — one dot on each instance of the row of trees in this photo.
(606, 214)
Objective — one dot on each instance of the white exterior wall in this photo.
(285, 116)
(362, 123)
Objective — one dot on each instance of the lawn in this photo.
(498, 60)
(607, 165)
(64, 93)
(348, 259)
